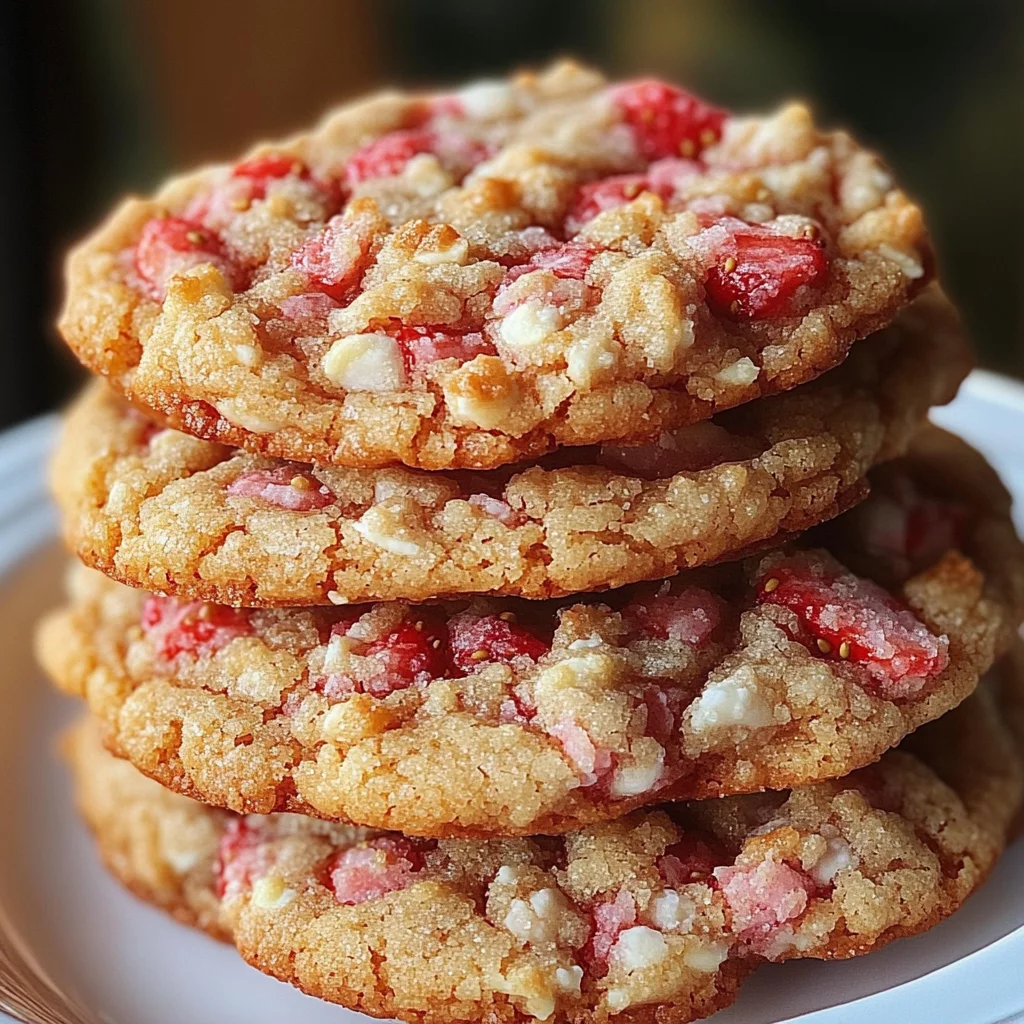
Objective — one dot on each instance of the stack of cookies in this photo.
(512, 545)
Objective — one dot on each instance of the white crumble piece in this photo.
(270, 893)
(365, 362)
(586, 642)
(731, 702)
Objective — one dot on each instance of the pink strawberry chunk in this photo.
(240, 858)
(412, 654)
(191, 627)
(764, 897)
(690, 616)
(336, 258)
(285, 487)
(372, 869)
(594, 763)
(854, 619)
(611, 918)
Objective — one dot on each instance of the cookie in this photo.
(655, 917)
(501, 717)
(164, 511)
(469, 279)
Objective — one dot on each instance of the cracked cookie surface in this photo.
(162, 510)
(508, 717)
(654, 917)
(472, 279)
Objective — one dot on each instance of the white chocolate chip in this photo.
(643, 776)
(529, 324)
(739, 374)
(270, 893)
(672, 912)
(639, 947)
(584, 642)
(425, 175)
(506, 875)
(457, 252)
(910, 267)
(837, 857)
(536, 920)
(476, 410)
(365, 362)
(733, 701)
(488, 100)
(706, 958)
(231, 410)
(335, 598)
(569, 979)
(377, 526)
(181, 861)
(590, 358)
(247, 355)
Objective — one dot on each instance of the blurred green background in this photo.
(104, 96)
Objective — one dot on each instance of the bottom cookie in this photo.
(656, 916)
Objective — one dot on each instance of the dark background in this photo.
(103, 96)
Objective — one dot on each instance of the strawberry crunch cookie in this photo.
(657, 916)
(161, 510)
(498, 717)
(469, 279)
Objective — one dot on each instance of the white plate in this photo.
(131, 965)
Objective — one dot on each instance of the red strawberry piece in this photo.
(425, 345)
(662, 178)
(933, 528)
(611, 918)
(854, 619)
(169, 246)
(663, 707)
(368, 871)
(476, 639)
(667, 120)
(595, 197)
(690, 616)
(763, 897)
(191, 627)
(414, 653)
(285, 487)
(387, 155)
(240, 858)
(262, 169)
(692, 859)
(755, 273)
(335, 258)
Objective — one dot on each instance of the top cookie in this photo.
(468, 279)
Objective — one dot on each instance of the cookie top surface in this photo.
(162, 510)
(657, 916)
(504, 717)
(470, 279)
